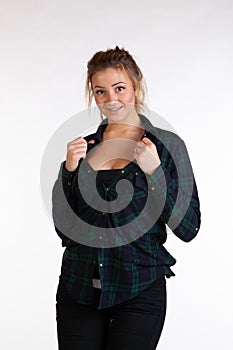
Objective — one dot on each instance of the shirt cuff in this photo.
(67, 176)
(159, 179)
(66, 173)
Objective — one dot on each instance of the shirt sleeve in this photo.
(63, 203)
(181, 211)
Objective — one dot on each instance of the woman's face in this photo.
(114, 94)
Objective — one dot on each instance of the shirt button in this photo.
(100, 237)
(88, 171)
(196, 228)
(103, 213)
(122, 171)
(136, 173)
(101, 265)
(152, 188)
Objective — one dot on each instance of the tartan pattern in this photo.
(128, 269)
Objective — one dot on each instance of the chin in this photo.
(119, 116)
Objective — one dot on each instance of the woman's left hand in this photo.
(147, 156)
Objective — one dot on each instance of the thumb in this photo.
(146, 141)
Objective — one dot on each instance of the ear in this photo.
(136, 93)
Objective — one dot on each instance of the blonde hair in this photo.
(116, 58)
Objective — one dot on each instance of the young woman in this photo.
(112, 288)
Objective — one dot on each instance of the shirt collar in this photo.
(97, 136)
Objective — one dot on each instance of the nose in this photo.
(111, 96)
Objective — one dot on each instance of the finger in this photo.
(137, 152)
(78, 154)
(77, 145)
(74, 148)
(140, 144)
(146, 141)
(135, 155)
(91, 141)
(78, 140)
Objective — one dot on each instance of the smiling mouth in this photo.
(113, 109)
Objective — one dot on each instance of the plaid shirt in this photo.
(137, 257)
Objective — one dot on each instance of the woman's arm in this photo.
(63, 196)
(181, 211)
(63, 202)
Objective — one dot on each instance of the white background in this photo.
(185, 51)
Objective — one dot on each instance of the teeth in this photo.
(113, 109)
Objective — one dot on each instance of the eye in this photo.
(99, 92)
(120, 88)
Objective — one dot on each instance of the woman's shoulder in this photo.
(165, 135)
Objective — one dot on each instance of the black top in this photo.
(103, 180)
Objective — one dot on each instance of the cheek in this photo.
(130, 97)
(98, 99)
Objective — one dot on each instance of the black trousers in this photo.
(133, 325)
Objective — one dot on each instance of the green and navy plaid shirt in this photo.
(137, 256)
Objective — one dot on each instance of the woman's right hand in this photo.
(76, 150)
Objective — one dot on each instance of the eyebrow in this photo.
(97, 86)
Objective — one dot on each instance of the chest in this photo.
(112, 154)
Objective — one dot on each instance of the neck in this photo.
(131, 122)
